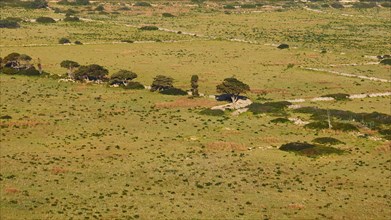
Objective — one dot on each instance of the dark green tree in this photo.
(161, 82)
(233, 87)
(194, 85)
(122, 77)
(91, 72)
(70, 66)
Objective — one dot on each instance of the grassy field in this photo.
(90, 151)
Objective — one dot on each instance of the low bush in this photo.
(71, 19)
(212, 112)
(229, 7)
(280, 120)
(248, 6)
(327, 141)
(268, 107)
(29, 72)
(386, 4)
(336, 5)
(134, 85)
(78, 42)
(309, 150)
(9, 24)
(283, 46)
(5, 117)
(149, 28)
(45, 20)
(364, 5)
(143, 4)
(341, 126)
(173, 91)
(64, 41)
(317, 125)
(386, 133)
(168, 15)
(386, 62)
(9, 71)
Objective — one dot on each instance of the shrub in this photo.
(173, 91)
(386, 133)
(336, 5)
(29, 72)
(309, 150)
(248, 6)
(386, 4)
(134, 85)
(5, 117)
(78, 42)
(364, 5)
(296, 146)
(37, 4)
(283, 46)
(327, 141)
(280, 120)
(9, 71)
(125, 9)
(149, 28)
(229, 7)
(318, 125)
(341, 126)
(386, 62)
(45, 20)
(127, 41)
(9, 24)
(64, 41)
(142, 4)
(268, 107)
(168, 15)
(212, 112)
(71, 19)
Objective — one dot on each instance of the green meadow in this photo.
(77, 150)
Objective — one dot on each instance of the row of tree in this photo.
(15, 63)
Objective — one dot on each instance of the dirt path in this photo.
(348, 74)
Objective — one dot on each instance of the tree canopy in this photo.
(233, 87)
(161, 82)
(69, 64)
(91, 72)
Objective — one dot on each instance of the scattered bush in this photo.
(168, 15)
(309, 150)
(317, 125)
(100, 8)
(37, 4)
(149, 28)
(268, 107)
(9, 71)
(280, 120)
(338, 96)
(386, 133)
(248, 6)
(283, 46)
(386, 4)
(343, 126)
(364, 5)
(212, 112)
(134, 85)
(336, 5)
(64, 41)
(5, 117)
(127, 41)
(29, 72)
(125, 9)
(229, 7)
(386, 62)
(78, 42)
(327, 141)
(142, 4)
(45, 20)
(173, 91)
(9, 24)
(71, 19)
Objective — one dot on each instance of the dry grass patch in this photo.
(225, 146)
(386, 147)
(187, 103)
